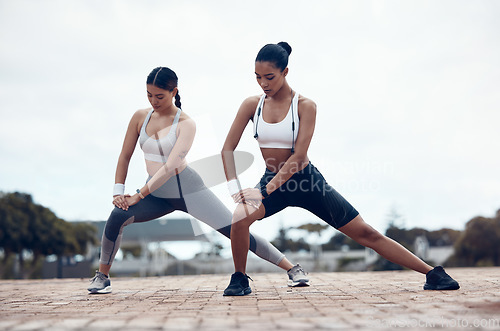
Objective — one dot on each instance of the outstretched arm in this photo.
(245, 113)
(131, 136)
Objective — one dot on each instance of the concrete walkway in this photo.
(345, 301)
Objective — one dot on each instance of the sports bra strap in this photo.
(173, 129)
(146, 120)
(177, 116)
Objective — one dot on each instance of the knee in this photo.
(117, 220)
(242, 218)
(240, 224)
(118, 216)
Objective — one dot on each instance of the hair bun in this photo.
(285, 45)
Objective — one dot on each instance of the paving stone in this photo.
(72, 323)
(4, 325)
(33, 325)
(140, 323)
(339, 301)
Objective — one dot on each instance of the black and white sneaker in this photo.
(238, 286)
(297, 277)
(437, 279)
(100, 284)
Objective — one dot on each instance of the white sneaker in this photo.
(297, 277)
(100, 284)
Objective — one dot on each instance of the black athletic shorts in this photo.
(308, 189)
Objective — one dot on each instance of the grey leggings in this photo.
(186, 192)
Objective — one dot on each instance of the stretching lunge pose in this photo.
(165, 134)
(283, 124)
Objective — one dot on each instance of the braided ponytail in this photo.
(177, 100)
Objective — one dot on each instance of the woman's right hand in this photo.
(120, 201)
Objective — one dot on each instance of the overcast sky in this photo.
(407, 96)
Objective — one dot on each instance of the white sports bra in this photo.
(158, 150)
(277, 135)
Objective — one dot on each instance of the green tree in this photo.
(396, 229)
(313, 228)
(283, 243)
(84, 234)
(134, 250)
(340, 240)
(26, 227)
(14, 224)
(479, 244)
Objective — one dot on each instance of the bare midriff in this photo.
(153, 167)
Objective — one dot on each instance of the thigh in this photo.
(318, 197)
(206, 207)
(145, 210)
(200, 202)
(275, 202)
(332, 208)
(148, 209)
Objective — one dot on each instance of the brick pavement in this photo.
(350, 300)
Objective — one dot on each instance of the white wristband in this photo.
(233, 186)
(119, 189)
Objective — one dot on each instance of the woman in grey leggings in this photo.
(165, 135)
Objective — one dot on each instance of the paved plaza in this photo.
(344, 301)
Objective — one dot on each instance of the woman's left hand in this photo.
(247, 194)
(250, 196)
(132, 200)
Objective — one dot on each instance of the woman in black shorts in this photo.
(283, 124)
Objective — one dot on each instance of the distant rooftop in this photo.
(164, 229)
